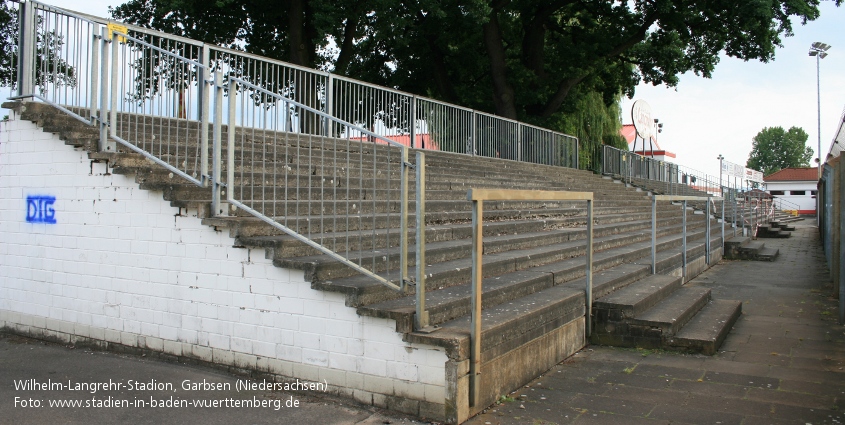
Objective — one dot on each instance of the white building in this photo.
(794, 189)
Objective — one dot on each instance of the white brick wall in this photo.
(123, 266)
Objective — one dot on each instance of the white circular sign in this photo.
(641, 116)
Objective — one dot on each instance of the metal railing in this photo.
(150, 92)
(477, 197)
(630, 166)
(708, 200)
(279, 176)
(786, 206)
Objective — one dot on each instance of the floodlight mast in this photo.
(819, 50)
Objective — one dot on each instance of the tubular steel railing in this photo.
(786, 206)
(151, 93)
(279, 176)
(683, 199)
(477, 197)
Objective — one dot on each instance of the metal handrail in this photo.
(684, 199)
(233, 85)
(477, 197)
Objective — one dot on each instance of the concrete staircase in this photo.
(533, 300)
(744, 248)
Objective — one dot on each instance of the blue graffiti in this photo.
(39, 209)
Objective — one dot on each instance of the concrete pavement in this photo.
(782, 363)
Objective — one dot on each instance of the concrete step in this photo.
(247, 226)
(509, 325)
(744, 248)
(325, 268)
(706, 332)
(634, 299)
(448, 304)
(360, 290)
(767, 254)
(673, 312)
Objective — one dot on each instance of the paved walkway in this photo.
(782, 363)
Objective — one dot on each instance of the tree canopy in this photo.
(775, 149)
(521, 59)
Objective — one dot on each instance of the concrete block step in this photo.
(508, 326)
(636, 298)
(437, 211)
(767, 254)
(453, 302)
(706, 332)
(673, 312)
(246, 227)
(322, 267)
(362, 291)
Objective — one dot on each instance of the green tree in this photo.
(521, 59)
(775, 149)
(50, 66)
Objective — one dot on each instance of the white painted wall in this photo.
(806, 203)
(121, 265)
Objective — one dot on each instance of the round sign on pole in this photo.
(641, 116)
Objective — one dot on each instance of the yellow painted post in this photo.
(475, 332)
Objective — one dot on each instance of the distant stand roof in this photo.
(794, 174)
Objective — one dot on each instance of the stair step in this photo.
(705, 332)
(767, 254)
(636, 298)
(510, 325)
(450, 303)
(671, 314)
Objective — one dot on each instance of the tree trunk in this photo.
(503, 94)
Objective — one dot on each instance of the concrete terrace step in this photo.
(706, 332)
(324, 268)
(508, 325)
(530, 234)
(248, 227)
(673, 312)
(362, 291)
(634, 299)
(743, 248)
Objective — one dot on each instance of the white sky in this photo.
(707, 117)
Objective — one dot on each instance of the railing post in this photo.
(421, 316)
(403, 221)
(473, 135)
(519, 142)
(114, 89)
(27, 48)
(577, 154)
(230, 133)
(216, 186)
(413, 122)
(475, 330)
(95, 65)
(707, 232)
(330, 105)
(734, 205)
(104, 90)
(653, 234)
(205, 101)
(723, 223)
(203, 86)
(588, 291)
(684, 252)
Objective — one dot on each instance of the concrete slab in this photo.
(784, 362)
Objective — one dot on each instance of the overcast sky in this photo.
(707, 117)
